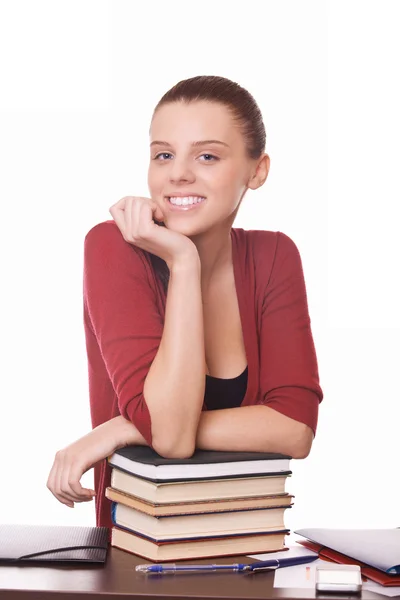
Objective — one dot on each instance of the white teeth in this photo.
(185, 201)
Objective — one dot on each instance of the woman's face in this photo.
(219, 172)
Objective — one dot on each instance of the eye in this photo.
(168, 154)
(211, 155)
(160, 154)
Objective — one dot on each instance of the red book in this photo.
(367, 571)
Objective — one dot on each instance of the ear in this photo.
(261, 173)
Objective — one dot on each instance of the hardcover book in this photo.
(198, 548)
(197, 490)
(143, 461)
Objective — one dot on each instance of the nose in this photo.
(180, 171)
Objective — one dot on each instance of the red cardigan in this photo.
(124, 308)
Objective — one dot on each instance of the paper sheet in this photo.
(293, 551)
(380, 589)
(299, 576)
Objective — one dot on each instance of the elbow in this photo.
(301, 452)
(302, 443)
(173, 448)
(173, 441)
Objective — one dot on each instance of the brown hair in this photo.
(243, 108)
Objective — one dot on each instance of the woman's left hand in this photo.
(72, 462)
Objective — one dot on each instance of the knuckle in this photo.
(73, 479)
(73, 460)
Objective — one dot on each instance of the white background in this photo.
(79, 81)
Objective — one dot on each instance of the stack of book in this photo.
(212, 504)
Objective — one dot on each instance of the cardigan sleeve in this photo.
(120, 307)
(289, 379)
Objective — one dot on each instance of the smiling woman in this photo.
(197, 333)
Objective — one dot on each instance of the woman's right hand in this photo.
(134, 217)
(72, 462)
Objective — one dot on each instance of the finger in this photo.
(135, 219)
(51, 481)
(145, 218)
(71, 475)
(84, 494)
(119, 206)
(118, 214)
(54, 479)
(62, 497)
(51, 478)
(128, 219)
(71, 485)
(158, 214)
(137, 225)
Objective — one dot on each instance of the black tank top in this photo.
(225, 393)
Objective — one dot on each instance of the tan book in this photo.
(192, 549)
(196, 491)
(174, 527)
(205, 506)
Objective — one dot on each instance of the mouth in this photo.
(184, 204)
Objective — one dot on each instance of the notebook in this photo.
(53, 543)
(144, 462)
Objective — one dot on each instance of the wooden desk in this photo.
(118, 579)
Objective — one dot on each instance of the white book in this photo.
(204, 464)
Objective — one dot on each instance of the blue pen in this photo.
(261, 565)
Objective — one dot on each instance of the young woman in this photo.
(197, 333)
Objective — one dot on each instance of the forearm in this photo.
(253, 429)
(175, 385)
(126, 433)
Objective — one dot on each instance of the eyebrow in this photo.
(193, 144)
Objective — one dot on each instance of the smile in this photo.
(184, 204)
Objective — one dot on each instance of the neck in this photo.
(215, 252)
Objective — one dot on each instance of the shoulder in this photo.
(268, 247)
(104, 232)
(104, 241)
(271, 242)
(106, 235)
(271, 257)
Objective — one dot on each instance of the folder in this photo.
(377, 551)
(366, 571)
(53, 543)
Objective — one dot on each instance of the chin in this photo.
(189, 230)
(183, 228)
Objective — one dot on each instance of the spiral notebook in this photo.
(53, 543)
